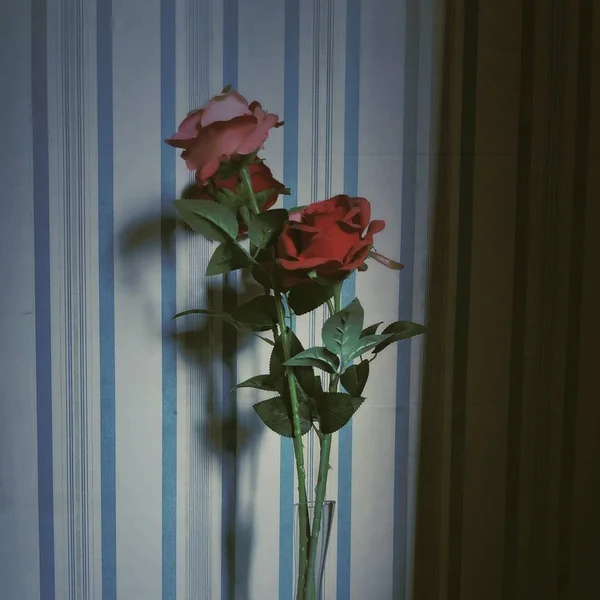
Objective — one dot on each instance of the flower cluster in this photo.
(301, 259)
(326, 240)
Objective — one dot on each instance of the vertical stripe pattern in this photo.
(463, 282)
(168, 306)
(106, 257)
(229, 565)
(22, 502)
(199, 72)
(351, 150)
(291, 85)
(145, 478)
(74, 296)
(519, 300)
(43, 363)
(509, 429)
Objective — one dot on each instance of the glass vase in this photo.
(322, 544)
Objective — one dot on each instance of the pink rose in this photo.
(225, 126)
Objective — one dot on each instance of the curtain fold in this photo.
(509, 483)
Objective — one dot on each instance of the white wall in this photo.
(123, 471)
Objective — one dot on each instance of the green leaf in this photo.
(262, 197)
(355, 378)
(308, 385)
(304, 398)
(263, 382)
(262, 277)
(400, 330)
(277, 359)
(308, 381)
(228, 257)
(264, 339)
(209, 218)
(228, 199)
(304, 375)
(260, 312)
(276, 368)
(371, 329)
(317, 357)
(225, 317)
(336, 409)
(266, 227)
(306, 297)
(316, 278)
(245, 214)
(365, 344)
(341, 332)
(276, 415)
(209, 313)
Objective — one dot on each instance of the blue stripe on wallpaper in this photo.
(291, 93)
(42, 297)
(351, 140)
(168, 304)
(79, 561)
(229, 415)
(106, 266)
(405, 300)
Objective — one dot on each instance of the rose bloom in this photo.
(225, 126)
(262, 179)
(332, 237)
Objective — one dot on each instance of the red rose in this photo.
(332, 237)
(225, 126)
(262, 180)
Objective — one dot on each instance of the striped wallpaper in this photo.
(126, 470)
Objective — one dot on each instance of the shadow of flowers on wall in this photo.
(219, 430)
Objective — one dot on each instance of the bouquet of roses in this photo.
(300, 259)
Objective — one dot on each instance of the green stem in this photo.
(303, 523)
(337, 296)
(330, 306)
(248, 183)
(318, 514)
(245, 214)
(320, 490)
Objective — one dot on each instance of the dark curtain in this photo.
(509, 483)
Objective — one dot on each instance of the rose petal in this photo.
(187, 132)
(305, 227)
(325, 212)
(328, 238)
(349, 219)
(286, 243)
(224, 107)
(255, 140)
(209, 169)
(221, 139)
(358, 258)
(355, 228)
(375, 227)
(332, 242)
(364, 207)
(306, 263)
